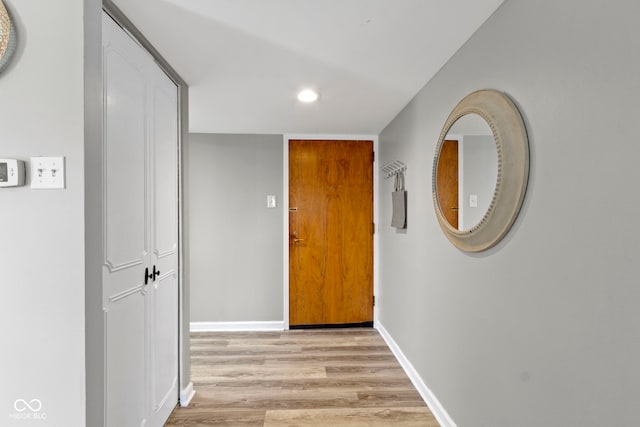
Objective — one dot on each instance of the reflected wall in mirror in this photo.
(480, 170)
(467, 172)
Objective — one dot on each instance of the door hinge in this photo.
(373, 228)
(373, 157)
(374, 300)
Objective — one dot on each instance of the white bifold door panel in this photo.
(140, 198)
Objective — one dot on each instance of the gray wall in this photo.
(235, 241)
(42, 257)
(545, 327)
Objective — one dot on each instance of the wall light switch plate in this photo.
(47, 172)
(271, 201)
(473, 201)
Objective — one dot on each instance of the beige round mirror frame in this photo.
(512, 145)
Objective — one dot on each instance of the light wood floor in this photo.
(336, 377)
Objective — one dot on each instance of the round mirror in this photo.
(480, 170)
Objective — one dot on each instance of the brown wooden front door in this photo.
(447, 181)
(330, 232)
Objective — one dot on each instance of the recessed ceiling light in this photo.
(307, 95)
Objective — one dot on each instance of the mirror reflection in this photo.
(467, 172)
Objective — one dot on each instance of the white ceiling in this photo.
(245, 60)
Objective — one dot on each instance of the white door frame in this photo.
(285, 211)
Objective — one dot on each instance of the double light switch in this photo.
(47, 172)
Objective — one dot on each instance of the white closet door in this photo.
(164, 244)
(140, 233)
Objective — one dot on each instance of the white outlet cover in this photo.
(47, 172)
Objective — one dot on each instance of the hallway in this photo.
(336, 377)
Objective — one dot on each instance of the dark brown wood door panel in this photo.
(447, 181)
(330, 232)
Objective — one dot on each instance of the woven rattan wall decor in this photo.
(7, 37)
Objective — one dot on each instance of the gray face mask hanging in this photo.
(399, 203)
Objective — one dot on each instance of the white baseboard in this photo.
(236, 326)
(186, 395)
(427, 395)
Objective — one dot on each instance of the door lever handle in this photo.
(147, 276)
(153, 275)
(296, 240)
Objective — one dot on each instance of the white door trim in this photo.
(285, 211)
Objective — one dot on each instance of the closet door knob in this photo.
(147, 276)
(156, 273)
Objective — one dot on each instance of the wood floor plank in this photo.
(319, 377)
(276, 399)
(347, 384)
(352, 348)
(363, 371)
(192, 417)
(369, 417)
(258, 372)
(384, 397)
(342, 362)
(203, 360)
